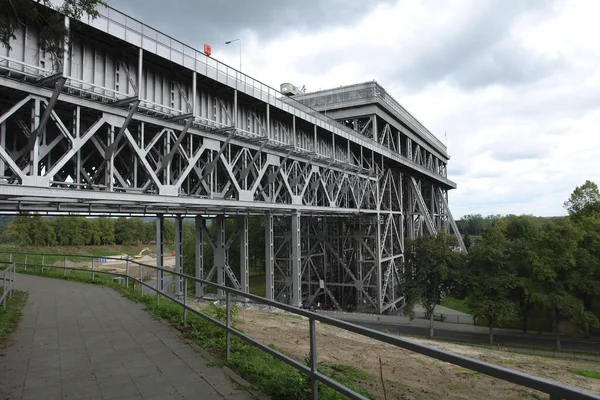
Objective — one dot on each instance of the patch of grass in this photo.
(9, 318)
(258, 285)
(588, 373)
(455, 304)
(349, 372)
(99, 278)
(267, 374)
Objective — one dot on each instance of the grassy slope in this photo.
(9, 318)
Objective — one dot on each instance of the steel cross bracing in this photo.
(113, 129)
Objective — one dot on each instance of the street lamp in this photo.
(237, 40)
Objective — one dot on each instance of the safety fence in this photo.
(7, 278)
(135, 271)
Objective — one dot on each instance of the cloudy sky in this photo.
(515, 84)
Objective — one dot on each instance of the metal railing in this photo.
(8, 285)
(556, 390)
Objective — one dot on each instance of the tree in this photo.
(50, 25)
(25, 230)
(490, 280)
(128, 231)
(586, 195)
(588, 263)
(471, 224)
(18, 230)
(41, 232)
(429, 265)
(557, 275)
(107, 230)
(521, 232)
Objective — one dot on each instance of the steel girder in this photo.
(95, 150)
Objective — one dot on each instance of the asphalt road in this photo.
(527, 340)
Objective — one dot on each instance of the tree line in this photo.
(34, 230)
(518, 264)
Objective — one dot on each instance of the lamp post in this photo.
(240, 41)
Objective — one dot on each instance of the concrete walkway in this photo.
(80, 341)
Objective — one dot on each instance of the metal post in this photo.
(65, 267)
(127, 273)
(313, 359)
(157, 291)
(25, 262)
(228, 324)
(12, 281)
(93, 272)
(141, 284)
(184, 301)
(4, 287)
(43, 261)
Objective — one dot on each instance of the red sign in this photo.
(207, 49)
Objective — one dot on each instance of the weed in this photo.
(351, 372)
(9, 318)
(586, 372)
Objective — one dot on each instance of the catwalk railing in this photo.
(8, 282)
(132, 268)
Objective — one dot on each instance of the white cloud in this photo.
(515, 84)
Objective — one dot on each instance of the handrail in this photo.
(555, 390)
(7, 293)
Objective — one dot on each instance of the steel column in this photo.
(269, 257)
(199, 256)
(244, 272)
(295, 259)
(220, 253)
(160, 251)
(178, 254)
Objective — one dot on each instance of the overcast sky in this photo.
(515, 84)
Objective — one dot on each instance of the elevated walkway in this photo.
(80, 341)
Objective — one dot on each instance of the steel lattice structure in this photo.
(133, 122)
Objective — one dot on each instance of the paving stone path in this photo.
(81, 341)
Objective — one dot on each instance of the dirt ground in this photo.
(409, 375)
(120, 266)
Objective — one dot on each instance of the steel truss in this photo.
(137, 134)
